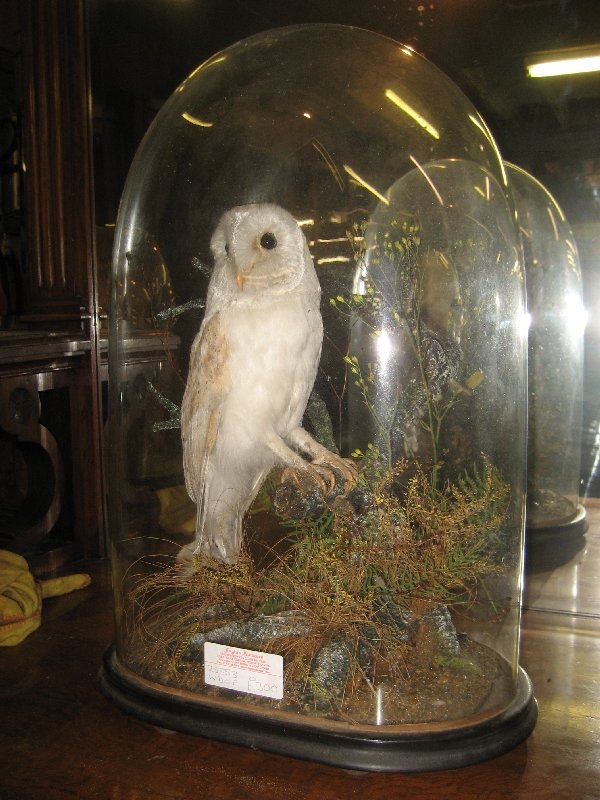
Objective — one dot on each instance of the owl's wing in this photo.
(207, 385)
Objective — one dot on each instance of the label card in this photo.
(247, 671)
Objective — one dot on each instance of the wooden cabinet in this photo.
(59, 327)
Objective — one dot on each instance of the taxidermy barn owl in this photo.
(252, 368)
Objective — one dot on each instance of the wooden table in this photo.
(36, 365)
(60, 738)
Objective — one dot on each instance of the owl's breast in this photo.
(274, 350)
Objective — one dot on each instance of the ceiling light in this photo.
(552, 63)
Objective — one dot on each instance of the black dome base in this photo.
(388, 748)
(571, 529)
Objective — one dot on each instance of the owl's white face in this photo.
(260, 248)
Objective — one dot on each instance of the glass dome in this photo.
(555, 304)
(319, 341)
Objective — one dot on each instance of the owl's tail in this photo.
(221, 505)
(219, 522)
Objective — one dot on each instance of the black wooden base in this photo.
(385, 748)
(572, 529)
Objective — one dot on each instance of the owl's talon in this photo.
(306, 487)
(338, 466)
(290, 475)
(325, 477)
(322, 477)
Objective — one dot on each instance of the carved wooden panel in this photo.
(59, 227)
(58, 177)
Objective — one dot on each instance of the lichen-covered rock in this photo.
(402, 621)
(444, 634)
(252, 634)
(329, 672)
(298, 498)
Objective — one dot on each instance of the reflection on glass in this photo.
(558, 318)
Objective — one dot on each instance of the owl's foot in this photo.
(306, 490)
(337, 474)
(307, 477)
(337, 467)
(332, 475)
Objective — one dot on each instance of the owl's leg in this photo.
(218, 536)
(223, 500)
(323, 460)
(293, 462)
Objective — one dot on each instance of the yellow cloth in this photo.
(21, 596)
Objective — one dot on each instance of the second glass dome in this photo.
(558, 317)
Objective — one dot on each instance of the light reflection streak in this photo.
(379, 706)
(334, 260)
(322, 151)
(553, 223)
(484, 193)
(210, 63)
(479, 123)
(366, 185)
(196, 121)
(384, 346)
(596, 465)
(524, 320)
(412, 113)
(428, 179)
(576, 315)
(483, 128)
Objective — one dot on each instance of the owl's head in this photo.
(260, 249)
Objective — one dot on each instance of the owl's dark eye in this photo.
(268, 241)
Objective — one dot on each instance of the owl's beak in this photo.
(242, 277)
